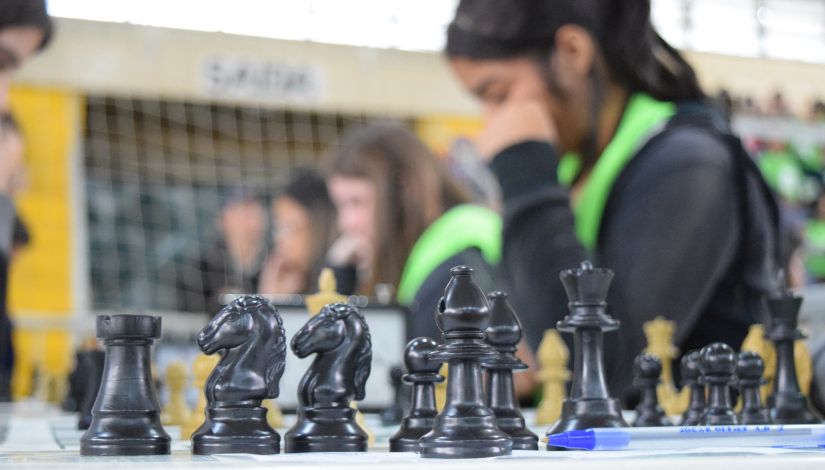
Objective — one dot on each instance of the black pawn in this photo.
(504, 334)
(749, 370)
(717, 361)
(787, 404)
(71, 402)
(692, 378)
(89, 373)
(647, 369)
(393, 415)
(590, 404)
(422, 374)
(466, 427)
(126, 414)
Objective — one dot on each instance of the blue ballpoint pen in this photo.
(686, 437)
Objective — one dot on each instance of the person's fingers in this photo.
(514, 122)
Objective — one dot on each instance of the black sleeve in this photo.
(7, 214)
(539, 238)
(668, 232)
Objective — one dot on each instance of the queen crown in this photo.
(248, 301)
(784, 309)
(586, 285)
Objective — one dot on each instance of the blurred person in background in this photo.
(12, 147)
(653, 183)
(232, 264)
(25, 29)
(815, 242)
(404, 222)
(304, 229)
(818, 111)
(778, 107)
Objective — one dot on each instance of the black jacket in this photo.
(689, 229)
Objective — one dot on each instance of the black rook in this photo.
(126, 414)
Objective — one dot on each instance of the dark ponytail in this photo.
(636, 56)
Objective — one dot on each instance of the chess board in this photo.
(39, 436)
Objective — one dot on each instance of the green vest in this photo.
(643, 117)
(815, 256)
(462, 227)
(783, 173)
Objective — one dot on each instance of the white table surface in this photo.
(42, 437)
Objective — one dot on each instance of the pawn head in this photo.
(750, 365)
(717, 359)
(417, 356)
(647, 366)
(689, 366)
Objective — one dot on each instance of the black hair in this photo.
(27, 13)
(308, 188)
(636, 56)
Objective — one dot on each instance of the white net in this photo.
(157, 173)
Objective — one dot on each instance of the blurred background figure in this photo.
(303, 230)
(404, 222)
(233, 264)
(12, 150)
(25, 29)
(818, 111)
(778, 107)
(815, 237)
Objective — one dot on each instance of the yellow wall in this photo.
(439, 132)
(40, 289)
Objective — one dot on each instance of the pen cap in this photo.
(591, 439)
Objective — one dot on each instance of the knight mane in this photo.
(275, 357)
(267, 318)
(363, 361)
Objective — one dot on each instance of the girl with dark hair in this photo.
(605, 148)
(304, 219)
(25, 29)
(404, 222)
